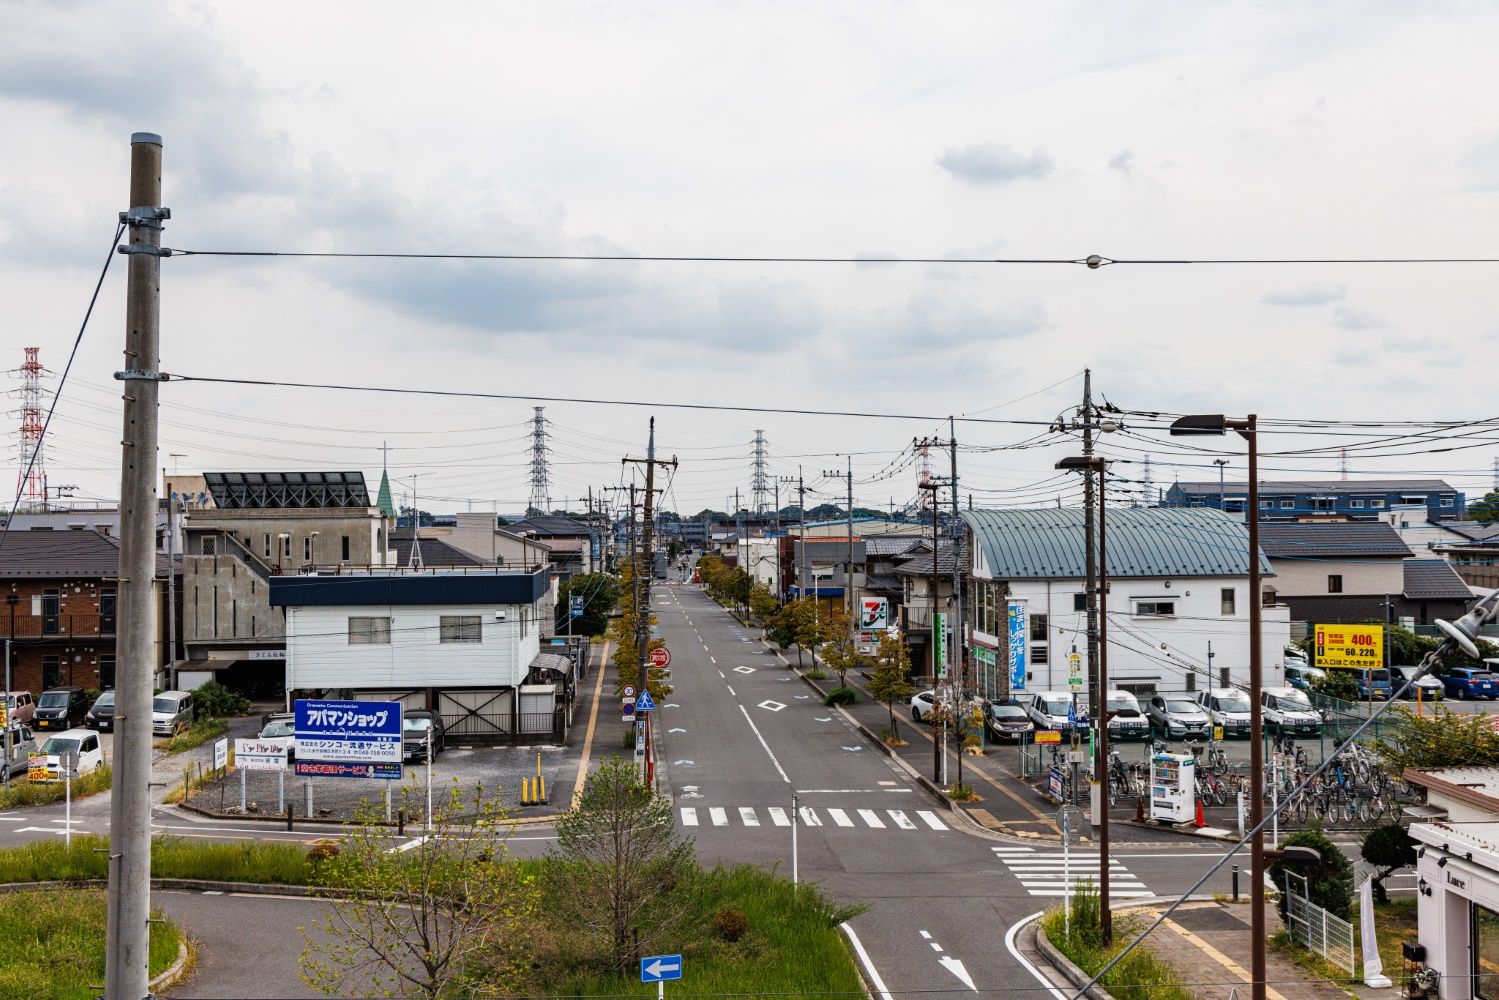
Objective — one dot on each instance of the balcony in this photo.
(60, 626)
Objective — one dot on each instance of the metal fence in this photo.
(1312, 927)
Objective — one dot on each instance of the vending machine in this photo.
(1173, 785)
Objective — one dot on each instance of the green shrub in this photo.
(816, 674)
(269, 862)
(1329, 882)
(1140, 976)
(217, 701)
(196, 735)
(1337, 684)
(841, 696)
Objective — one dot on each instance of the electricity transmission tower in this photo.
(759, 478)
(541, 500)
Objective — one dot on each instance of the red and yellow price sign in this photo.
(1355, 646)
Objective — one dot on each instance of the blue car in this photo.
(1470, 682)
(1377, 679)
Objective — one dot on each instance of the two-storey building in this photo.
(1291, 500)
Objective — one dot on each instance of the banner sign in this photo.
(260, 755)
(939, 644)
(338, 769)
(876, 613)
(348, 732)
(1356, 646)
(1019, 634)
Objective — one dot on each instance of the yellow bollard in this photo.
(541, 791)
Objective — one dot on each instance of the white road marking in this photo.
(748, 817)
(689, 816)
(744, 670)
(779, 770)
(809, 818)
(731, 691)
(869, 817)
(778, 816)
(1029, 967)
(840, 817)
(925, 935)
(770, 706)
(900, 819)
(935, 946)
(869, 969)
(718, 816)
(410, 844)
(954, 966)
(213, 892)
(930, 819)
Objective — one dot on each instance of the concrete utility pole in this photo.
(801, 510)
(644, 611)
(960, 646)
(932, 632)
(127, 934)
(171, 582)
(1090, 553)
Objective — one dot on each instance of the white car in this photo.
(281, 729)
(923, 703)
(1227, 707)
(1287, 710)
(82, 742)
(1049, 710)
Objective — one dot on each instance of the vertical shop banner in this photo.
(1019, 635)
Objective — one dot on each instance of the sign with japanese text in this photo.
(1019, 636)
(338, 769)
(1355, 646)
(361, 733)
(260, 755)
(939, 644)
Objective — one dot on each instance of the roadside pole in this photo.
(5, 715)
(67, 795)
(127, 943)
(794, 872)
(429, 779)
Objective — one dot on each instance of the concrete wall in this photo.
(319, 655)
(1308, 577)
(476, 534)
(225, 600)
(315, 535)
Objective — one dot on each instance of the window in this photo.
(1265, 504)
(367, 631)
(1038, 628)
(51, 611)
(1376, 503)
(1079, 602)
(267, 546)
(1040, 653)
(1485, 952)
(466, 628)
(1447, 501)
(286, 546)
(209, 545)
(107, 611)
(345, 555)
(1040, 648)
(1288, 505)
(307, 549)
(1226, 601)
(1334, 583)
(1322, 503)
(1355, 503)
(106, 671)
(51, 671)
(103, 529)
(1156, 609)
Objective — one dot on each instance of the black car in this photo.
(1007, 720)
(59, 709)
(415, 726)
(102, 715)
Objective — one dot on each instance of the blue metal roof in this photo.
(1046, 543)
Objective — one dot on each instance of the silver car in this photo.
(1178, 716)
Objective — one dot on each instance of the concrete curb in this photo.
(530, 820)
(1061, 963)
(174, 972)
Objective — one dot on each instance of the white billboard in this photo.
(260, 755)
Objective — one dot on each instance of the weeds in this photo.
(40, 793)
(52, 944)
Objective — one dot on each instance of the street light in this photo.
(1218, 424)
(1088, 465)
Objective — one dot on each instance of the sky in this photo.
(858, 131)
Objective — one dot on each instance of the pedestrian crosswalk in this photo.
(1050, 873)
(920, 820)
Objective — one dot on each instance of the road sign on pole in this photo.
(645, 703)
(659, 968)
(660, 657)
(575, 607)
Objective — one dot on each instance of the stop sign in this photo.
(660, 656)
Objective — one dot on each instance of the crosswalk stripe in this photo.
(689, 816)
(868, 816)
(900, 819)
(747, 816)
(1068, 892)
(840, 817)
(778, 816)
(718, 815)
(809, 817)
(930, 819)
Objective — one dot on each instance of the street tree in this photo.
(762, 604)
(619, 874)
(1438, 739)
(624, 630)
(1389, 848)
(840, 651)
(795, 624)
(452, 914)
(890, 681)
(600, 592)
(1485, 511)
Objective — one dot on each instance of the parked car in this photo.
(1302, 676)
(922, 704)
(1294, 656)
(1373, 683)
(1008, 721)
(1227, 707)
(171, 712)
(1126, 721)
(1430, 686)
(415, 726)
(101, 715)
(22, 746)
(1470, 682)
(83, 742)
(19, 707)
(1048, 710)
(282, 728)
(1288, 710)
(59, 709)
(1178, 716)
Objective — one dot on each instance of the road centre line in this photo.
(766, 746)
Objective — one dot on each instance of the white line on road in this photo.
(925, 934)
(1029, 967)
(901, 819)
(779, 770)
(930, 819)
(809, 818)
(868, 816)
(718, 816)
(869, 969)
(689, 816)
(416, 842)
(840, 817)
(748, 817)
(778, 816)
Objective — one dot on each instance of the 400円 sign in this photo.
(348, 739)
(1353, 646)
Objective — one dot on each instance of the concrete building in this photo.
(1178, 599)
(574, 546)
(61, 617)
(915, 611)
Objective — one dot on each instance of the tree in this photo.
(1337, 683)
(620, 874)
(1329, 882)
(795, 624)
(600, 592)
(623, 630)
(762, 604)
(452, 912)
(1388, 847)
(1441, 739)
(839, 650)
(1485, 511)
(892, 668)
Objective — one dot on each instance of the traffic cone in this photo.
(1200, 821)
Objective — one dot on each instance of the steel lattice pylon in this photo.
(759, 478)
(541, 499)
(31, 476)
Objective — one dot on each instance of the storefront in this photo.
(1458, 906)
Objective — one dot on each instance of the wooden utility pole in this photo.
(644, 611)
(126, 949)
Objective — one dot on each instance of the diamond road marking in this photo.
(770, 706)
(744, 670)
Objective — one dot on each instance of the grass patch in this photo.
(195, 735)
(40, 793)
(789, 944)
(1315, 965)
(1141, 976)
(52, 944)
(1394, 923)
(816, 674)
(266, 862)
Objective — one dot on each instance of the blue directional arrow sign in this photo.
(660, 968)
(645, 703)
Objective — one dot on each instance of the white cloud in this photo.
(991, 164)
(1305, 295)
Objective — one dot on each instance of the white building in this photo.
(467, 645)
(1178, 599)
(761, 559)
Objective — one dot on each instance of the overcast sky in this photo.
(1057, 130)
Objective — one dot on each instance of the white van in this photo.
(1287, 710)
(1227, 707)
(82, 742)
(171, 712)
(1048, 710)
